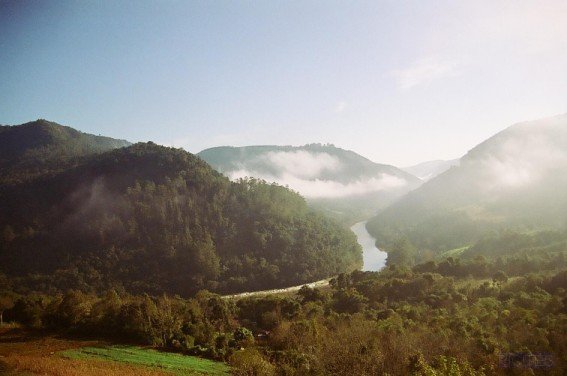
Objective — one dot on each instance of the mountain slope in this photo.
(147, 218)
(428, 170)
(41, 146)
(339, 181)
(517, 179)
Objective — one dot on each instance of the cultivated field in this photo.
(27, 353)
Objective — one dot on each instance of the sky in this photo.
(400, 82)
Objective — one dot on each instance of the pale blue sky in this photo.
(399, 82)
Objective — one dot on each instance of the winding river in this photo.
(373, 258)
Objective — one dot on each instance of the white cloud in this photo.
(533, 152)
(424, 71)
(302, 171)
(319, 188)
(302, 163)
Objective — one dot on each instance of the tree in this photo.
(400, 254)
(499, 277)
(8, 234)
(6, 302)
(74, 308)
(309, 294)
(349, 301)
(243, 337)
(250, 362)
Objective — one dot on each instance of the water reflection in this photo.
(374, 259)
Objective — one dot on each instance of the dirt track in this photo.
(321, 283)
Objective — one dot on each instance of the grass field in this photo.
(456, 252)
(174, 363)
(25, 352)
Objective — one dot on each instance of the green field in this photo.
(170, 362)
(456, 252)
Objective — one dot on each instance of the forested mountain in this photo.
(147, 218)
(430, 169)
(516, 179)
(42, 147)
(340, 182)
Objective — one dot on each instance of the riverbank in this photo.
(373, 260)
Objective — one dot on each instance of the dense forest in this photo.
(151, 219)
(502, 315)
(42, 147)
(137, 244)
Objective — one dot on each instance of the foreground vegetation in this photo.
(24, 351)
(170, 362)
(467, 316)
(27, 352)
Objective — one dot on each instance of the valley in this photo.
(373, 260)
(149, 247)
(283, 188)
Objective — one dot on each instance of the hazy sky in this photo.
(399, 82)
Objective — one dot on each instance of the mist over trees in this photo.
(340, 183)
(123, 244)
(276, 247)
(152, 219)
(516, 180)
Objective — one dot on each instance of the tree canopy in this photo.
(147, 218)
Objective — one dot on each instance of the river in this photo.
(373, 258)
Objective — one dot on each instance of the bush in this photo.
(250, 362)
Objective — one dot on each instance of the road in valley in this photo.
(373, 260)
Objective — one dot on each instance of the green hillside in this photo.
(228, 158)
(42, 147)
(147, 218)
(514, 180)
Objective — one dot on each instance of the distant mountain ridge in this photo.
(515, 179)
(341, 182)
(430, 169)
(41, 146)
(230, 158)
(82, 212)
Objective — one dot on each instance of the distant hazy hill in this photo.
(339, 181)
(148, 218)
(41, 146)
(517, 178)
(428, 170)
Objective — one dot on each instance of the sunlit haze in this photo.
(294, 187)
(397, 82)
